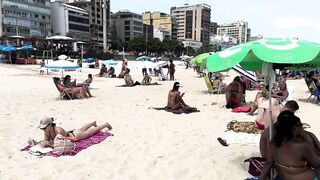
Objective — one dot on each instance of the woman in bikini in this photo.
(282, 93)
(293, 158)
(51, 131)
(83, 90)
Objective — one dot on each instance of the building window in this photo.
(126, 22)
(127, 28)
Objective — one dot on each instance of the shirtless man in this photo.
(171, 70)
(307, 136)
(175, 100)
(128, 79)
(51, 131)
(146, 79)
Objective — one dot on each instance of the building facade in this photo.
(26, 18)
(126, 25)
(69, 19)
(161, 21)
(193, 22)
(222, 42)
(213, 28)
(239, 30)
(95, 10)
(161, 34)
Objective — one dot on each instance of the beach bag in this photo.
(255, 165)
(62, 145)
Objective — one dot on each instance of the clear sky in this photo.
(270, 18)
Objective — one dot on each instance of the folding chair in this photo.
(63, 94)
(208, 83)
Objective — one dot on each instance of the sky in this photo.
(270, 18)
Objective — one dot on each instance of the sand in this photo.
(147, 144)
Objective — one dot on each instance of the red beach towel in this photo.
(80, 145)
(242, 109)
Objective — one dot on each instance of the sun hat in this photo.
(45, 121)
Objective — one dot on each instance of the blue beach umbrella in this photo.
(8, 49)
(89, 60)
(62, 64)
(26, 47)
(110, 62)
(143, 58)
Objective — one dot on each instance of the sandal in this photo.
(222, 141)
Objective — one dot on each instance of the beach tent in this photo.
(62, 64)
(264, 54)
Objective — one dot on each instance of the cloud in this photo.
(295, 23)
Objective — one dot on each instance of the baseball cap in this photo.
(45, 121)
(177, 84)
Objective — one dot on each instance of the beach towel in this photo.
(242, 109)
(242, 138)
(80, 145)
(178, 111)
(245, 126)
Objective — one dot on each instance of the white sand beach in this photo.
(147, 144)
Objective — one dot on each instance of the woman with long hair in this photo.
(293, 157)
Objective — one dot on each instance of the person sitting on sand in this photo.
(281, 94)
(83, 91)
(175, 100)
(51, 131)
(146, 79)
(67, 82)
(128, 79)
(103, 70)
(111, 72)
(293, 158)
(235, 93)
(87, 82)
(276, 110)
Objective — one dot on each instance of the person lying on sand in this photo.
(128, 79)
(83, 90)
(51, 131)
(292, 157)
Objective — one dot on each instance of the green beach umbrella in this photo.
(292, 53)
(264, 54)
(201, 59)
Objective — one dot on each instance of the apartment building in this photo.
(162, 22)
(238, 30)
(126, 25)
(193, 22)
(95, 10)
(25, 18)
(70, 19)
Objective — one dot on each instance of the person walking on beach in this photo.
(171, 70)
(42, 68)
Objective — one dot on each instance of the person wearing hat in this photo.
(175, 100)
(51, 131)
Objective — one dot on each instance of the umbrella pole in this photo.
(270, 119)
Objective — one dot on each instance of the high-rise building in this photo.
(239, 30)
(193, 22)
(161, 21)
(25, 18)
(213, 28)
(70, 19)
(95, 10)
(126, 25)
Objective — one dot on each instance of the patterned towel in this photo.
(245, 127)
(80, 145)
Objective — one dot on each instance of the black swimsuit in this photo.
(71, 132)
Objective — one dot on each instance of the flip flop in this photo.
(222, 141)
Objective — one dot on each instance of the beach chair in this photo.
(63, 94)
(314, 92)
(208, 83)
